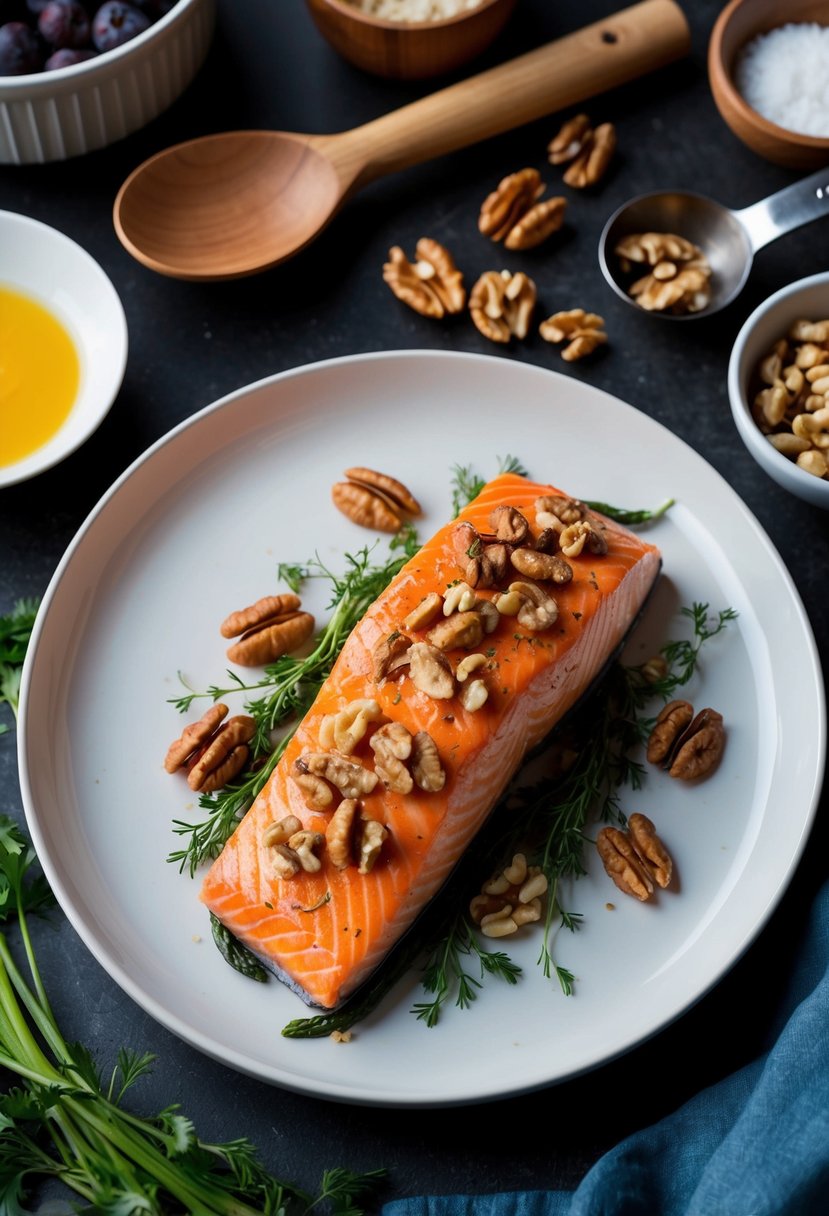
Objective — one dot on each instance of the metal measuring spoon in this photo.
(729, 239)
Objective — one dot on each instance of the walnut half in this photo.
(432, 285)
(502, 305)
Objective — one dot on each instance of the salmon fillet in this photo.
(324, 933)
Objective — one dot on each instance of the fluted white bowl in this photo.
(48, 116)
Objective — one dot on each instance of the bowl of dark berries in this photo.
(77, 75)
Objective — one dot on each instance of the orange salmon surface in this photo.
(425, 747)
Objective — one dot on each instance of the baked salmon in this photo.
(439, 693)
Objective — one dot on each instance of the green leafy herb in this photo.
(445, 972)
(629, 518)
(466, 484)
(15, 631)
(64, 1120)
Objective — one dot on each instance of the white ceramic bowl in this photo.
(50, 116)
(55, 271)
(807, 298)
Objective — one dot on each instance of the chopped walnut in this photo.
(538, 610)
(350, 777)
(511, 898)
(432, 285)
(582, 331)
(392, 744)
(512, 213)
(427, 769)
(372, 837)
(461, 630)
(502, 305)
(317, 793)
(555, 511)
(345, 729)
(339, 833)
(575, 537)
(280, 831)
(307, 845)
(790, 397)
(680, 281)
(431, 672)
(473, 695)
(425, 613)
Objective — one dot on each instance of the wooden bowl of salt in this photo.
(767, 67)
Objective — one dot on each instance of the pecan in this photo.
(463, 630)
(591, 164)
(570, 141)
(432, 285)
(537, 610)
(583, 332)
(400, 497)
(502, 305)
(623, 863)
(671, 721)
(350, 777)
(547, 567)
(427, 769)
(266, 642)
(269, 608)
(509, 525)
(223, 756)
(193, 736)
(650, 848)
(364, 507)
(390, 653)
(392, 744)
(700, 748)
(430, 671)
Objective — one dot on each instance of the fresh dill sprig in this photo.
(287, 688)
(445, 972)
(15, 632)
(466, 484)
(681, 657)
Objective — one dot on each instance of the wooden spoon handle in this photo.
(592, 60)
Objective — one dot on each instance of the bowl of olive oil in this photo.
(63, 346)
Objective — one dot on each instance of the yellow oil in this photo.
(39, 375)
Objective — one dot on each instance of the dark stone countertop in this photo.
(191, 344)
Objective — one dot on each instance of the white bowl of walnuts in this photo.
(778, 387)
(77, 75)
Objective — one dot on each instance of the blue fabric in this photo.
(755, 1144)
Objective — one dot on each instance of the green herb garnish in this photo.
(15, 632)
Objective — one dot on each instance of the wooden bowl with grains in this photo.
(767, 67)
(410, 39)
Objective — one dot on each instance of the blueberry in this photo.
(20, 51)
(67, 57)
(116, 23)
(64, 23)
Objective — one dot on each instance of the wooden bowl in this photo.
(736, 25)
(409, 51)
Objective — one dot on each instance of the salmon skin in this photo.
(324, 929)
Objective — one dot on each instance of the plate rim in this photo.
(333, 1090)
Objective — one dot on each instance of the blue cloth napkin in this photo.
(755, 1144)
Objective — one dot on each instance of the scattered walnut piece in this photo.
(392, 745)
(511, 898)
(556, 512)
(425, 613)
(790, 396)
(427, 769)
(431, 672)
(502, 305)
(350, 777)
(461, 630)
(432, 285)
(512, 213)
(582, 331)
(635, 859)
(589, 151)
(536, 609)
(345, 729)
(680, 278)
(576, 537)
(374, 500)
(280, 831)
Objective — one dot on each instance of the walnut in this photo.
(502, 305)
(792, 409)
(223, 756)
(392, 744)
(591, 164)
(700, 748)
(431, 672)
(556, 511)
(583, 332)
(460, 597)
(635, 859)
(350, 777)
(432, 285)
(511, 898)
(372, 836)
(271, 627)
(473, 695)
(374, 500)
(509, 525)
(680, 279)
(427, 769)
(576, 537)
(280, 832)
(537, 224)
(547, 567)
(317, 793)
(193, 737)
(339, 833)
(538, 610)
(307, 845)
(389, 654)
(511, 198)
(461, 630)
(345, 729)
(810, 331)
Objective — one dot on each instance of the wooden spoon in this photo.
(229, 205)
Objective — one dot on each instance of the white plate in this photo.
(195, 529)
(52, 269)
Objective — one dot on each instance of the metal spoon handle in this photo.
(790, 208)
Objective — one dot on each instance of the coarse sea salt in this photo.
(414, 10)
(784, 76)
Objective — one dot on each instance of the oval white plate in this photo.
(196, 528)
(52, 269)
